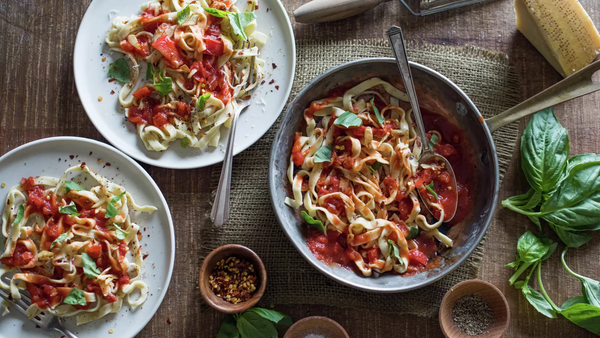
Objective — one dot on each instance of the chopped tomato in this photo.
(43, 296)
(160, 119)
(373, 254)
(335, 205)
(183, 109)
(417, 257)
(143, 50)
(143, 92)
(20, 257)
(405, 206)
(297, 155)
(213, 46)
(123, 249)
(123, 280)
(390, 184)
(147, 19)
(445, 149)
(357, 132)
(94, 250)
(166, 46)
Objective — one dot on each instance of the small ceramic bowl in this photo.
(318, 326)
(490, 294)
(226, 251)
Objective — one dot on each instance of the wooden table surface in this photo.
(38, 99)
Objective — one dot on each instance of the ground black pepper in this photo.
(472, 315)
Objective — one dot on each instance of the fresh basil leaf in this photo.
(60, 239)
(430, 188)
(250, 325)
(238, 22)
(375, 166)
(573, 301)
(413, 232)
(111, 210)
(433, 140)
(20, 214)
(274, 316)
(313, 223)
(228, 329)
(576, 202)
(530, 250)
(544, 151)
(380, 119)
(519, 285)
(183, 15)
(590, 287)
(185, 142)
(551, 248)
(70, 185)
(586, 316)
(525, 202)
(119, 70)
(75, 297)
(117, 198)
(89, 266)
(395, 252)
(164, 86)
(216, 12)
(69, 209)
(323, 154)
(121, 234)
(348, 119)
(538, 301)
(149, 71)
(201, 102)
(570, 238)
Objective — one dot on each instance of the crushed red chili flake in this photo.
(277, 87)
(233, 279)
(271, 82)
(262, 82)
(256, 7)
(112, 80)
(112, 92)
(274, 66)
(169, 321)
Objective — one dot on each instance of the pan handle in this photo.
(576, 85)
(331, 10)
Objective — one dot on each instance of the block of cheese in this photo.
(561, 30)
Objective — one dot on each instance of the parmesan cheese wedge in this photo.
(561, 30)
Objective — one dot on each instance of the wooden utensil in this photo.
(209, 263)
(332, 10)
(490, 295)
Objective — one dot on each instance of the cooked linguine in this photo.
(67, 246)
(355, 172)
(193, 55)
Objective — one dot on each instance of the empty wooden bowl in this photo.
(224, 252)
(490, 294)
(317, 326)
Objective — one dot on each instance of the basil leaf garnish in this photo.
(185, 142)
(430, 188)
(121, 234)
(251, 324)
(375, 166)
(119, 70)
(433, 140)
(228, 329)
(89, 266)
(590, 287)
(584, 315)
(323, 154)
(413, 232)
(274, 316)
(376, 110)
(70, 185)
(395, 252)
(149, 71)
(313, 223)
(538, 301)
(60, 239)
(348, 119)
(239, 21)
(75, 297)
(201, 101)
(530, 250)
(20, 214)
(111, 210)
(183, 15)
(164, 86)
(69, 209)
(217, 13)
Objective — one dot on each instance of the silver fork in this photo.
(220, 210)
(43, 320)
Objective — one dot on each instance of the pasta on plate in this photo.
(354, 172)
(68, 246)
(197, 57)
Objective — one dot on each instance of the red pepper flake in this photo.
(112, 92)
(145, 256)
(274, 66)
(233, 279)
(267, 10)
(108, 164)
(90, 153)
(277, 87)
(263, 82)
(169, 321)
(271, 82)
(71, 156)
(112, 80)
(103, 59)
(256, 7)
(82, 164)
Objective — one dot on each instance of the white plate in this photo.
(108, 116)
(42, 158)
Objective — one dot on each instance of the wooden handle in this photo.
(331, 10)
(576, 85)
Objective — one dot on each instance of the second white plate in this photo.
(108, 116)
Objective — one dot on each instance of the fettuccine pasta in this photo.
(67, 246)
(195, 68)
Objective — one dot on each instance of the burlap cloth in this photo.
(488, 80)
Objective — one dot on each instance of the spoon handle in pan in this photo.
(397, 41)
(331, 10)
(576, 85)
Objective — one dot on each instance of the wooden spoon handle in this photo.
(576, 85)
(331, 10)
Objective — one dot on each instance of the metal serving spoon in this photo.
(428, 155)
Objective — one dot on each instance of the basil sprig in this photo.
(395, 252)
(375, 166)
(238, 21)
(413, 232)
(183, 15)
(20, 214)
(75, 297)
(433, 140)
(69, 209)
(253, 323)
(348, 119)
(164, 85)
(119, 70)
(313, 223)
(430, 189)
(201, 101)
(111, 210)
(376, 110)
(121, 234)
(70, 185)
(90, 269)
(60, 239)
(323, 154)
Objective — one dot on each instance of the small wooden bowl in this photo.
(490, 294)
(316, 325)
(226, 251)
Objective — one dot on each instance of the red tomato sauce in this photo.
(330, 249)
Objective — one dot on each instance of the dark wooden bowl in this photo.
(208, 264)
(490, 294)
(316, 325)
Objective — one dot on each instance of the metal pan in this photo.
(437, 94)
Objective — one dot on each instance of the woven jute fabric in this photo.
(488, 80)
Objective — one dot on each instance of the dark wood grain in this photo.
(38, 99)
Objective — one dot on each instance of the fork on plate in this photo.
(220, 210)
(43, 320)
